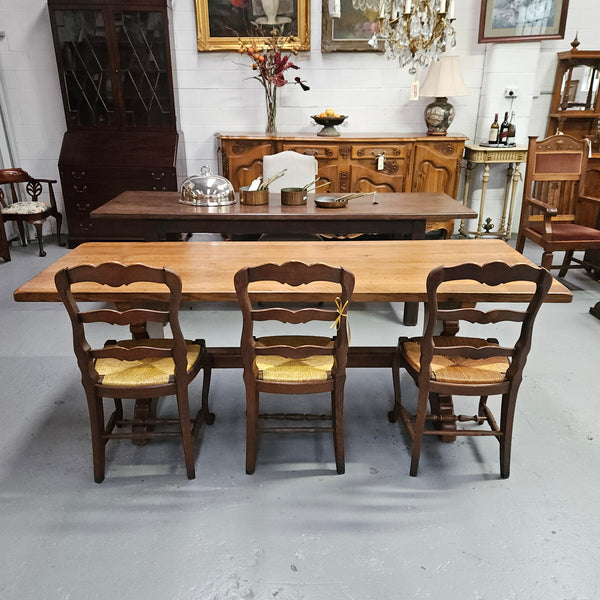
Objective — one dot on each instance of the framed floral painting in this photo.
(222, 23)
(522, 20)
(350, 32)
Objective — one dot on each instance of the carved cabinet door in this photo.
(242, 160)
(436, 167)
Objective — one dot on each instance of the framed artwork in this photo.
(522, 20)
(222, 23)
(350, 32)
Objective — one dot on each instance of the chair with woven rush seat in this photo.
(135, 368)
(468, 366)
(556, 214)
(294, 364)
(32, 211)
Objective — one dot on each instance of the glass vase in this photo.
(271, 104)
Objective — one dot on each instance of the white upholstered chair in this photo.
(301, 169)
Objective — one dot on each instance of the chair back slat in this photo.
(296, 317)
(473, 315)
(474, 352)
(131, 354)
(134, 316)
(296, 352)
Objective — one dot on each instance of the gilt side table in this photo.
(511, 156)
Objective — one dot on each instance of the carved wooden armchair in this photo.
(31, 210)
(556, 214)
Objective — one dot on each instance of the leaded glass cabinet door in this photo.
(85, 68)
(144, 70)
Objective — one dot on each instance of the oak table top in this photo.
(385, 271)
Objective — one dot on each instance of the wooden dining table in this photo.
(385, 271)
(154, 216)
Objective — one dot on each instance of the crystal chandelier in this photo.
(414, 32)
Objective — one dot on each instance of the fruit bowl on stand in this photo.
(329, 122)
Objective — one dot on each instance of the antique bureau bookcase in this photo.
(115, 74)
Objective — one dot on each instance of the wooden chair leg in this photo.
(338, 426)
(96, 412)
(520, 243)
(566, 263)
(187, 441)
(22, 233)
(38, 231)
(506, 426)
(419, 427)
(395, 412)
(252, 403)
(547, 260)
(58, 218)
(209, 417)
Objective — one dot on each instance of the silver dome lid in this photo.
(207, 189)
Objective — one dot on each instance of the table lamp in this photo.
(443, 80)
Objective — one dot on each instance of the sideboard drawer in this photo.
(372, 151)
(316, 150)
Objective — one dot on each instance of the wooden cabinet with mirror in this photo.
(575, 110)
(575, 104)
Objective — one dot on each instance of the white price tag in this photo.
(414, 90)
(380, 162)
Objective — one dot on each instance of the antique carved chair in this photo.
(32, 210)
(135, 368)
(294, 364)
(555, 213)
(446, 365)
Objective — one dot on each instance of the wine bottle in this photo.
(512, 129)
(493, 137)
(503, 133)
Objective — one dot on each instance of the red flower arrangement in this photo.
(271, 62)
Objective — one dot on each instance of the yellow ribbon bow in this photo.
(338, 320)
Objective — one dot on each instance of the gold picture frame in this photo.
(222, 23)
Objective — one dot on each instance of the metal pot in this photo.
(207, 189)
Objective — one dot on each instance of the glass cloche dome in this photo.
(207, 189)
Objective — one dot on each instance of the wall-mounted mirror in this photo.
(579, 89)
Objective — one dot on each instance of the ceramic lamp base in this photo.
(438, 116)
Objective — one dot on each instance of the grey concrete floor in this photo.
(296, 530)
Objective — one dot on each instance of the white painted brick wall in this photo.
(214, 93)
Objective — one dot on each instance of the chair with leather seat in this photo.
(556, 214)
(31, 211)
(135, 368)
(294, 363)
(447, 365)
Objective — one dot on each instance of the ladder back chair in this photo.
(135, 368)
(468, 366)
(294, 364)
(555, 213)
(28, 211)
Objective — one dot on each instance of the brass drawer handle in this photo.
(157, 177)
(83, 207)
(78, 174)
(80, 190)
(162, 189)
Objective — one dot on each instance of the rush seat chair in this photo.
(469, 366)
(294, 364)
(135, 368)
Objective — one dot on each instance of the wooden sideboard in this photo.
(357, 163)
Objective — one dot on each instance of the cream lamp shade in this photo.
(443, 80)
